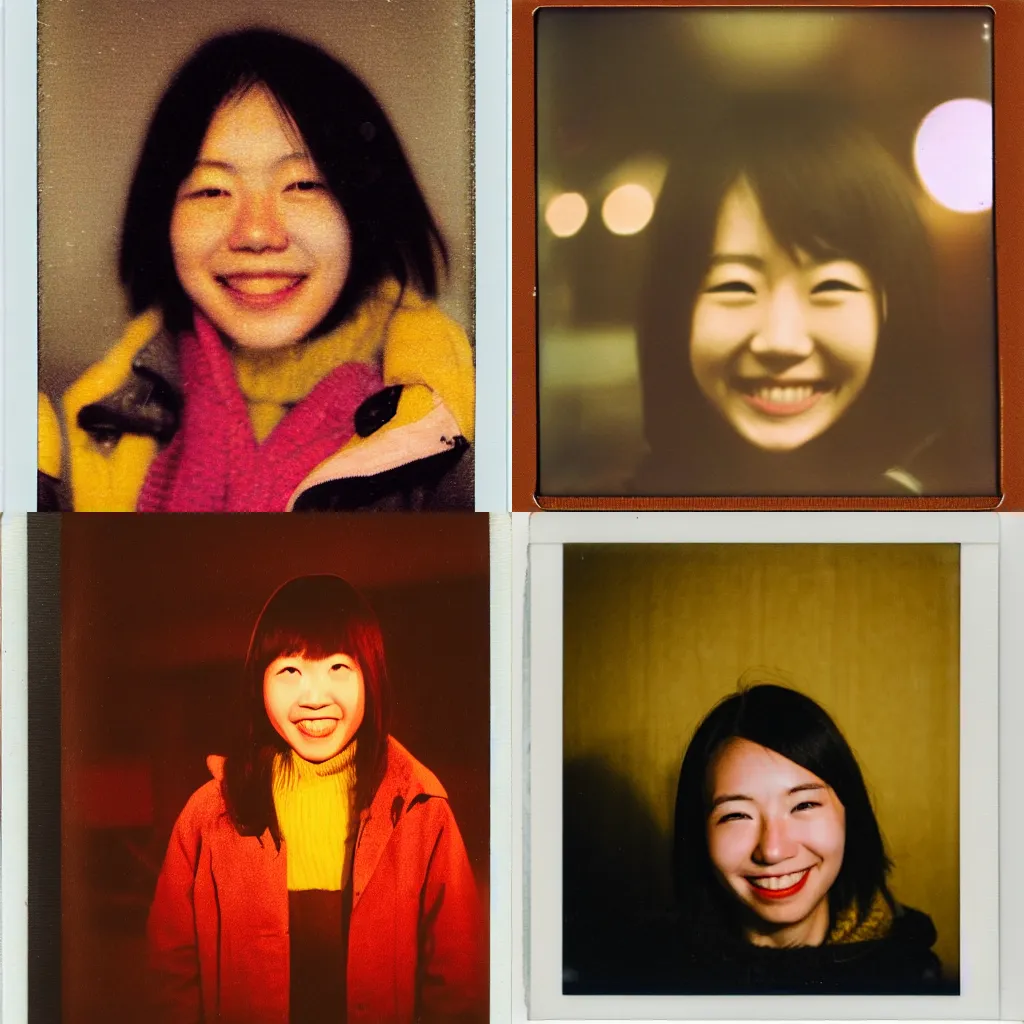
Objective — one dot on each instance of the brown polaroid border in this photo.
(1008, 98)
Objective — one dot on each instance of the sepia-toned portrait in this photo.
(765, 258)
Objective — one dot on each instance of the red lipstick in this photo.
(780, 894)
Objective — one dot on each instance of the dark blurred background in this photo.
(615, 89)
(156, 617)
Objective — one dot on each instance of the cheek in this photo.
(828, 840)
(358, 704)
(276, 702)
(727, 848)
(323, 230)
(714, 334)
(192, 236)
(850, 333)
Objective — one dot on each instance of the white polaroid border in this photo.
(1011, 764)
(18, 278)
(19, 241)
(501, 768)
(978, 535)
(14, 768)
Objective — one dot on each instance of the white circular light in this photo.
(566, 214)
(953, 155)
(627, 209)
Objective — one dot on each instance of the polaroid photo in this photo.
(764, 273)
(202, 713)
(762, 767)
(374, 260)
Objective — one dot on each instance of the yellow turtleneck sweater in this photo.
(316, 812)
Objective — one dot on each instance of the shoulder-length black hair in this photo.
(312, 616)
(825, 186)
(348, 136)
(794, 726)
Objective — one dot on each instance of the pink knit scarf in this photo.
(215, 463)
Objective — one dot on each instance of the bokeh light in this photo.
(627, 209)
(565, 214)
(953, 155)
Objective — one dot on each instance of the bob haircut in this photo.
(796, 727)
(313, 616)
(827, 188)
(345, 131)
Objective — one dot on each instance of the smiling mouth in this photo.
(261, 291)
(771, 398)
(778, 887)
(317, 728)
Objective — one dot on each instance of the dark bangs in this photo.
(829, 189)
(317, 616)
(799, 729)
(314, 617)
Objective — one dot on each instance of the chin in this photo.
(781, 441)
(262, 340)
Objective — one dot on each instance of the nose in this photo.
(783, 339)
(258, 225)
(775, 844)
(314, 691)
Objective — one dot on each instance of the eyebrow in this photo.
(225, 165)
(802, 788)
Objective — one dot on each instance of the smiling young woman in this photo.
(790, 334)
(320, 873)
(287, 351)
(780, 867)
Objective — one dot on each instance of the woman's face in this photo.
(781, 347)
(315, 705)
(260, 244)
(776, 835)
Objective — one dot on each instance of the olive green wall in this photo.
(656, 635)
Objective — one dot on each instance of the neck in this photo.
(811, 931)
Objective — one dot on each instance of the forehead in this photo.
(741, 227)
(252, 128)
(755, 771)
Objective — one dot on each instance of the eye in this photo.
(288, 670)
(834, 284)
(806, 805)
(742, 287)
(732, 816)
(206, 193)
(306, 185)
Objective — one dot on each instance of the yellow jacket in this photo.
(95, 451)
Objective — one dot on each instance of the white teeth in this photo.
(261, 285)
(787, 395)
(779, 882)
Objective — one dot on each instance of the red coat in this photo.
(218, 926)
